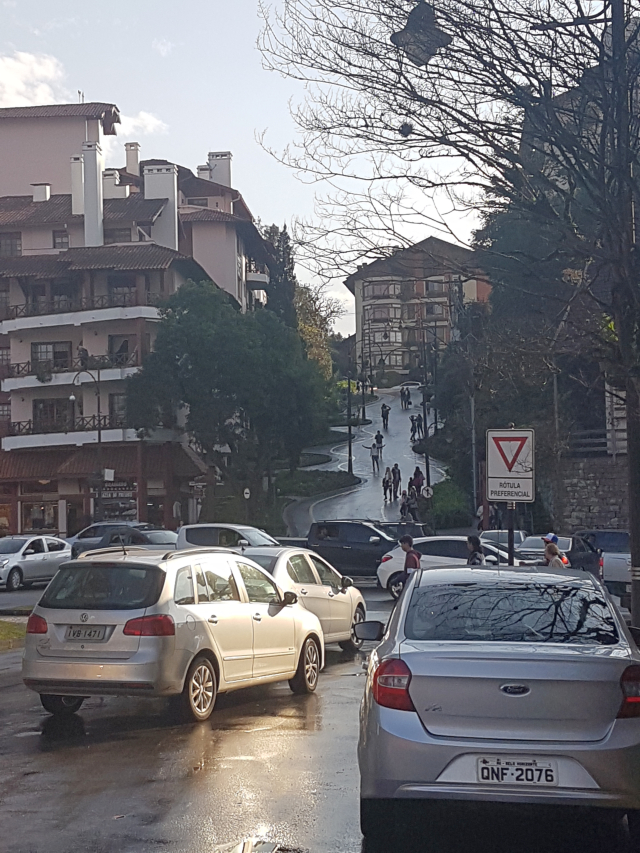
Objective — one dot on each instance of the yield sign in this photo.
(510, 448)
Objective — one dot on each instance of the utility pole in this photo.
(350, 458)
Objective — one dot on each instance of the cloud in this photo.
(29, 79)
(141, 124)
(163, 46)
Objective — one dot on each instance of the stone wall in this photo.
(590, 492)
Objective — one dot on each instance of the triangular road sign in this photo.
(511, 452)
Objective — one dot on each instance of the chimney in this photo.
(41, 192)
(133, 157)
(111, 187)
(220, 167)
(162, 182)
(77, 185)
(204, 172)
(93, 219)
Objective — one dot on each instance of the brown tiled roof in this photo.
(22, 210)
(33, 266)
(125, 256)
(208, 215)
(107, 113)
(31, 465)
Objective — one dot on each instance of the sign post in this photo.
(510, 472)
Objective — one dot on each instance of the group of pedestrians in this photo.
(417, 426)
(405, 398)
(391, 483)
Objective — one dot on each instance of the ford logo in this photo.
(84, 617)
(515, 689)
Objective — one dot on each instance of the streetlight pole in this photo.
(350, 459)
(98, 510)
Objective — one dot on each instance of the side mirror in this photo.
(289, 598)
(491, 560)
(243, 543)
(375, 540)
(346, 582)
(28, 552)
(372, 631)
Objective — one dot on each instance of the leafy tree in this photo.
(282, 285)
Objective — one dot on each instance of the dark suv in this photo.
(354, 545)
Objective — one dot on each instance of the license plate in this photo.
(517, 771)
(86, 634)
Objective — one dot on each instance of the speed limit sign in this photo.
(427, 492)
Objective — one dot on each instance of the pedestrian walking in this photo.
(412, 505)
(418, 480)
(404, 506)
(374, 452)
(396, 476)
(387, 484)
(419, 425)
(474, 546)
(379, 440)
(414, 427)
(411, 560)
(385, 416)
(407, 398)
(402, 398)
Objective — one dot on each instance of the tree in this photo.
(510, 104)
(281, 289)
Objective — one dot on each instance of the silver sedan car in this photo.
(320, 588)
(25, 560)
(190, 624)
(515, 686)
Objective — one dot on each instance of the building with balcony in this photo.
(410, 302)
(87, 256)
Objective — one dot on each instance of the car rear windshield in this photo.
(510, 613)
(162, 537)
(11, 546)
(257, 538)
(104, 587)
(264, 560)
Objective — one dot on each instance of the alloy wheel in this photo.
(358, 617)
(311, 663)
(201, 689)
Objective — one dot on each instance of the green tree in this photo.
(282, 285)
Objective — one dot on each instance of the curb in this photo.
(16, 611)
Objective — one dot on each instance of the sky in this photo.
(187, 77)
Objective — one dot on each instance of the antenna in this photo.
(124, 550)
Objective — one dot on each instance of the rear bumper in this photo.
(399, 760)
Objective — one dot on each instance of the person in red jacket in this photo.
(412, 558)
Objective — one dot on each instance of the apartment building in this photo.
(410, 301)
(87, 255)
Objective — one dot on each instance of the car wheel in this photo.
(200, 689)
(354, 644)
(377, 823)
(61, 706)
(14, 580)
(306, 678)
(395, 585)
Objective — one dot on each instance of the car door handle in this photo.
(257, 617)
(303, 592)
(332, 594)
(213, 619)
(346, 547)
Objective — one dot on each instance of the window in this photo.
(52, 415)
(259, 588)
(117, 235)
(56, 545)
(183, 593)
(204, 536)
(201, 585)
(37, 546)
(382, 312)
(451, 548)
(40, 516)
(5, 411)
(381, 288)
(55, 355)
(87, 587)
(117, 410)
(228, 538)
(265, 562)
(524, 612)
(437, 286)
(220, 581)
(122, 290)
(10, 244)
(360, 533)
(89, 533)
(5, 355)
(60, 240)
(327, 532)
(327, 575)
(198, 202)
(394, 359)
(299, 570)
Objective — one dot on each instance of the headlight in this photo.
(3, 563)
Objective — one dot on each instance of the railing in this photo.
(79, 424)
(64, 305)
(255, 267)
(598, 442)
(91, 362)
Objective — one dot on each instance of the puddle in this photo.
(249, 845)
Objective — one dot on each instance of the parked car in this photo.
(320, 588)
(120, 537)
(501, 537)
(514, 686)
(615, 558)
(93, 534)
(580, 554)
(191, 624)
(435, 551)
(25, 560)
(234, 536)
(355, 546)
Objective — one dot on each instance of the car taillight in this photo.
(391, 685)
(150, 626)
(565, 560)
(386, 558)
(601, 568)
(36, 624)
(630, 683)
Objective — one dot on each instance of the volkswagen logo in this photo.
(84, 617)
(515, 689)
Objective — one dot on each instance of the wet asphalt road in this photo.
(125, 775)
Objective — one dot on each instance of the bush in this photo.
(450, 506)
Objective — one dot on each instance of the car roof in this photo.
(480, 574)
(265, 550)
(231, 525)
(155, 556)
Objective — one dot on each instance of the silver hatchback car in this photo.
(25, 560)
(191, 623)
(515, 686)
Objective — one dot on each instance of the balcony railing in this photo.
(67, 304)
(79, 424)
(48, 367)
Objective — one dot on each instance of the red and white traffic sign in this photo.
(510, 465)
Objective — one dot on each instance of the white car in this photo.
(219, 535)
(320, 588)
(435, 551)
(190, 624)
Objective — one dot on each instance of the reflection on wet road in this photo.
(124, 775)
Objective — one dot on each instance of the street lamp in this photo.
(98, 510)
